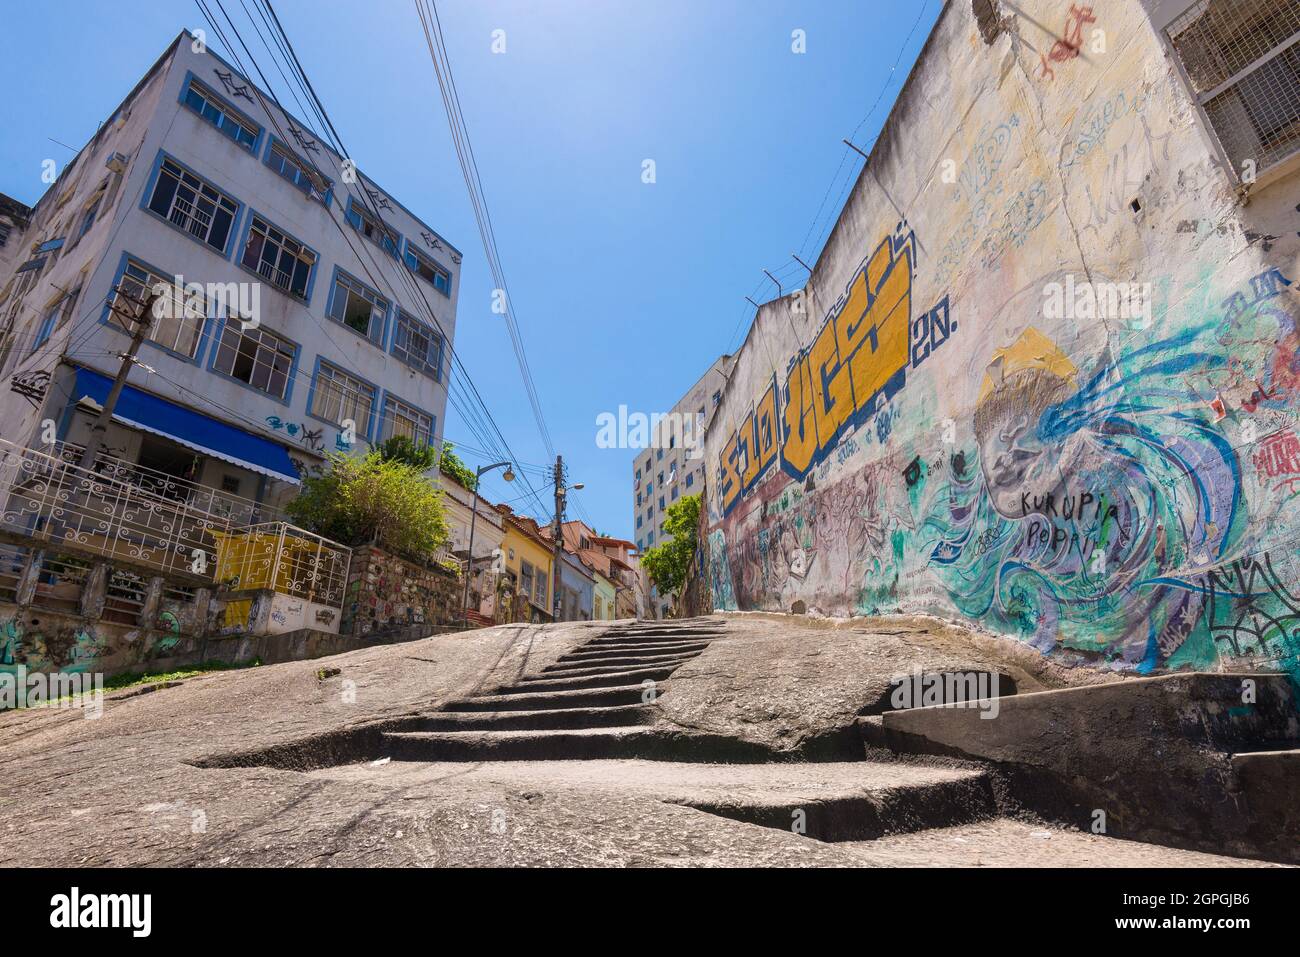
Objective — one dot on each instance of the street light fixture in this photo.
(509, 476)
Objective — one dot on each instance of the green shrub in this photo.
(400, 448)
(374, 500)
(668, 563)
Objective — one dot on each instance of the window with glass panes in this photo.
(417, 345)
(339, 397)
(402, 419)
(177, 320)
(193, 205)
(256, 356)
(282, 260)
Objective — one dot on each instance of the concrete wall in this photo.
(919, 430)
(386, 594)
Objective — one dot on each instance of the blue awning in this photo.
(140, 410)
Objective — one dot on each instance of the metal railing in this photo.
(283, 558)
(236, 509)
(114, 510)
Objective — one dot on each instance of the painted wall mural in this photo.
(1116, 488)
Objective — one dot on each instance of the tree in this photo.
(667, 564)
(453, 467)
(374, 500)
(401, 448)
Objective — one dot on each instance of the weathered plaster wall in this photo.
(913, 433)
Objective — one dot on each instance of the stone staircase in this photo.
(597, 701)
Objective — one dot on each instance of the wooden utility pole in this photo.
(142, 320)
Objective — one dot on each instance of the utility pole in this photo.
(558, 541)
(142, 320)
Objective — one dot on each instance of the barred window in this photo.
(1242, 60)
(193, 205)
(278, 258)
(417, 345)
(256, 357)
(339, 397)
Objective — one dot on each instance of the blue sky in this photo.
(625, 291)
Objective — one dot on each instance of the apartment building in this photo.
(673, 465)
(305, 310)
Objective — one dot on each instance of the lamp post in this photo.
(509, 476)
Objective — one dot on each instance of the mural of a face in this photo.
(1012, 455)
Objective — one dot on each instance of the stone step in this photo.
(607, 640)
(630, 743)
(578, 668)
(1269, 782)
(1165, 757)
(609, 717)
(534, 683)
(586, 652)
(550, 700)
(952, 798)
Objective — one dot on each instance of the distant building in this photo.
(527, 562)
(304, 309)
(667, 471)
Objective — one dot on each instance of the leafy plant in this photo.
(374, 500)
(456, 469)
(401, 448)
(668, 563)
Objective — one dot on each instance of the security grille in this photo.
(1242, 59)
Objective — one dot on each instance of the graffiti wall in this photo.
(1044, 375)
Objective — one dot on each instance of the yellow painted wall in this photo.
(519, 548)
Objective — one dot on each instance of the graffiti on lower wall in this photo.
(1123, 501)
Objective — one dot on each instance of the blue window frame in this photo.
(417, 345)
(180, 322)
(184, 200)
(337, 396)
(301, 174)
(428, 270)
(357, 306)
(690, 479)
(58, 314)
(375, 230)
(256, 357)
(277, 257)
(402, 418)
(221, 114)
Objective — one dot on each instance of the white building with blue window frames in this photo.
(308, 311)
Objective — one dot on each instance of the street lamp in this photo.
(509, 476)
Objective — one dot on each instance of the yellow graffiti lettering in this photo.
(799, 432)
(765, 428)
(729, 487)
(873, 325)
(831, 386)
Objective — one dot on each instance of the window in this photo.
(659, 455)
(428, 270)
(1242, 61)
(417, 345)
(717, 397)
(4, 234)
(402, 419)
(193, 205)
(661, 503)
(359, 308)
(87, 219)
(638, 475)
(638, 521)
(305, 178)
(211, 107)
(674, 496)
(364, 222)
(338, 397)
(230, 484)
(690, 479)
(279, 259)
(52, 320)
(525, 579)
(178, 322)
(256, 357)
